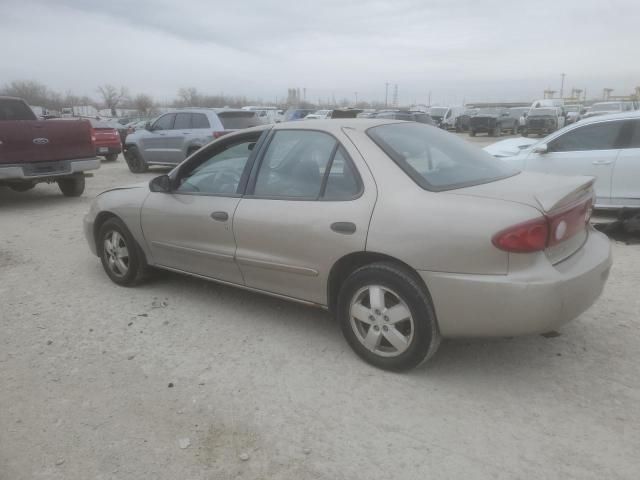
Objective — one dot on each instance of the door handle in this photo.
(602, 162)
(346, 228)
(220, 216)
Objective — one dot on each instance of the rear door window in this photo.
(182, 122)
(199, 120)
(597, 136)
(237, 120)
(294, 164)
(343, 183)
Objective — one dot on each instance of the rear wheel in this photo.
(387, 317)
(112, 157)
(135, 161)
(73, 186)
(121, 256)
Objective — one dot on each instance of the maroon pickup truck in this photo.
(34, 151)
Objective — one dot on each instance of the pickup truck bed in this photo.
(34, 151)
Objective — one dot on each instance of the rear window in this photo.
(15, 110)
(236, 120)
(437, 160)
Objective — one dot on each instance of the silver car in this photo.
(404, 232)
(172, 137)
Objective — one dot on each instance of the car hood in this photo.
(543, 191)
(509, 147)
(127, 187)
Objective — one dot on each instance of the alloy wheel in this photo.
(381, 321)
(116, 253)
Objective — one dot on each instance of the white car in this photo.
(319, 115)
(606, 147)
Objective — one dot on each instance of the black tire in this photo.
(135, 161)
(21, 187)
(137, 269)
(472, 133)
(73, 186)
(112, 157)
(403, 283)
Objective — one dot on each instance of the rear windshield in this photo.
(11, 109)
(437, 160)
(236, 120)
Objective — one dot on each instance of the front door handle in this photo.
(220, 216)
(602, 162)
(346, 228)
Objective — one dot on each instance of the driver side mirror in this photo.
(541, 149)
(161, 184)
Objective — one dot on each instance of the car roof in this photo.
(336, 124)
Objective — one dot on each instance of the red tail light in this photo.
(531, 236)
(219, 133)
(547, 231)
(92, 132)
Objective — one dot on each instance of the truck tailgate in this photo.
(28, 141)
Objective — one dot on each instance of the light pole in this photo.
(562, 85)
(386, 94)
(356, 94)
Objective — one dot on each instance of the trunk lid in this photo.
(29, 141)
(565, 202)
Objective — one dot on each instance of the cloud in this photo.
(465, 49)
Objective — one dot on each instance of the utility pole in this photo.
(386, 94)
(356, 94)
(562, 85)
(429, 100)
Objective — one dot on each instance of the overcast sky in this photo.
(463, 49)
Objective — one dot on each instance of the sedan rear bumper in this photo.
(536, 300)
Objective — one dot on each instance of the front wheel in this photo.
(112, 157)
(387, 317)
(135, 161)
(72, 187)
(121, 257)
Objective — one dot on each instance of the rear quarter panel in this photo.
(436, 231)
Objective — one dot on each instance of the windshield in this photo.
(538, 112)
(438, 111)
(437, 160)
(606, 107)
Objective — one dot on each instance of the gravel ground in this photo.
(182, 378)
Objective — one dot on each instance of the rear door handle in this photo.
(220, 216)
(602, 162)
(346, 228)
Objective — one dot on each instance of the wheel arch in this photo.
(347, 264)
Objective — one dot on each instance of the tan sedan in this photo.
(404, 232)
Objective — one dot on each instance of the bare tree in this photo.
(34, 93)
(144, 104)
(112, 97)
(189, 97)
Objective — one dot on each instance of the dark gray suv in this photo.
(174, 136)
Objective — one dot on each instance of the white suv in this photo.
(606, 147)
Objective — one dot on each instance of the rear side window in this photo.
(183, 121)
(598, 136)
(199, 120)
(15, 110)
(237, 120)
(436, 160)
(165, 122)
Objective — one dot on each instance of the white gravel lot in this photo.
(186, 379)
